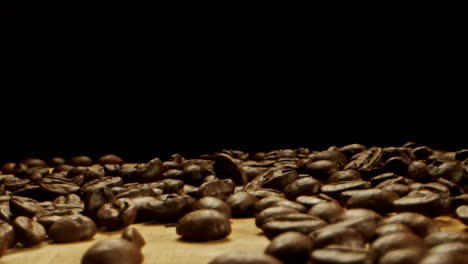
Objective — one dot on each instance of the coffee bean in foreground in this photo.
(111, 251)
(203, 225)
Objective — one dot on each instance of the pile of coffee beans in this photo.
(350, 204)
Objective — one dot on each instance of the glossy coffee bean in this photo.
(152, 171)
(386, 229)
(344, 175)
(335, 189)
(328, 211)
(419, 224)
(241, 257)
(28, 232)
(378, 200)
(278, 201)
(438, 238)
(7, 237)
(203, 225)
(423, 202)
(462, 214)
(226, 168)
(337, 235)
(166, 208)
(72, 228)
(261, 217)
(209, 202)
(242, 204)
(302, 223)
(302, 186)
(220, 189)
(113, 250)
(80, 161)
(23, 206)
(341, 255)
(117, 215)
(290, 247)
(394, 241)
(132, 235)
(409, 255)
(110, 159)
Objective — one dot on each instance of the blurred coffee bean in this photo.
(117, 215)
(28, 232)
(454, 188)
(240, 257)
(193, 174)
(95, 198)
(394, 241)
(421, 153)
(302, 186)
(214, 203)
(398, 165)
(220, 189)
(418, 171)
(335, 189)
(461, 154)
(462, 214)
(420, 224)
(352, 149)
(386, 229)
(264, 193)
(341, 255)
(7, 168)
(290, 247)
(378, 200)
(111, 251)
(423, 202)
(13, 183)
(321, 169)
(302, 223)
(263, 215)
(410, 255)
(23, 206)
(203, 225)
(344, 175)
(437, 238)
(110, 159)
(368, 162)
(225, 168)
(242, 204)
(167, 207)
(7, 237)
(337, 235)
(72, 228)
(132, 235)
(34, 162)
(56, 161)
(328, 211)
(56, 187)
(152, 171)
(80, 161)
(252, 172)
(452, 171)
(278, 201)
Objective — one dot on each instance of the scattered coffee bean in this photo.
(72, 228)
(337, 235)
(226, 168)
(117, 215)
(242, 204)
(113, 250)
(420, 224)
(410, 255)
(220, 189)
(302, 186)
(394, 241)
(462, 214)
(132, 235)
(203, 225)
(244, 258)
(7, 237)
(328, 211)
(28, 232)
(80, 161)
(341, 255)
(110, 159)
(302, 223)
(290, 247)
(209, 202)
(266, 213)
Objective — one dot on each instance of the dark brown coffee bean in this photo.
(72, 228)
(452, 171)
(328, 211)
(117, 215)
(437, 238)
(244, 258)
(209, 202)
(337, 235)
(420, 224)
(28, 232)
(421, 153)
(34, 162)
(321, 169)
(352, 149)
(386, 229)
(364, 225)
(277, 178)
(80, 161)
(400, 189)
(168, 207)
(12, 183)
(341, 255)
(111, 251)
(7, 237)
(110, 159)
(344, 175)
(264, 193)
(423, 202)
(203, 225)
(331, 154)
(444, 258)
(252, 172)
(193, 174)
(8, 168)
(56, 187)
(378, 200)
(242, 204)
(132, 235)
(418, 171)
(56, 161)
(226, 168)
(302, 223)
(368, 162)
(152, 171)
(290, 247)
(23, 206)
(462, 214)
(454, 189)
(302, 186)
(261, 217)
(278, 201)
(101, 183)
(410, 255)
(335, 189)
(309, 201)
(360, 213)
(220, 189)
(398, 165)
(394, 241)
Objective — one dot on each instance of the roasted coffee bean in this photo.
(20, 170)
(328, 211)
(56, 187)
(352, 149)
(378, 200)
(410, 255)
(71, 202)
(261, 217)
(23, 206)
(226, 168)
(132, 235)
(72, 228)
(368, 162)
(203, 225)
(34, 162)
(335, 189)
(242, 204)
(360, 213)
(95, 199)
(331, 154)
(386, 229)
(309, 201)
(63, 168)
(56, 161)
(321, 169)
(394, 241)
(252, 172)
(462, 214)
(337, 235)
(421, 153)
(418, 171)
(28, 232)
(7, 237)
(7, 168)
(167, 207)
(244, 258)
(420, 224)
(49, 217)
(400, 189)
(214, 203)
(110, 159)
(290, 247)
(364, 225)
(423, 202)
(264, 193)
(152, 171)
(344, 175)
(443, 258)
(302, 223)
(437, 238)
(451, 248)
(275, 178)
(398, 165)
(384, 177)
(341, 255)
(452, 171)
(117, 215)
(302, 186)
(193, 174)
(80, 161)
(111, 251)
(220, 189)
(278, 201)
(101, 183)
(12, 183)
(454, 189)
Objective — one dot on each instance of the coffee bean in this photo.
(226, 168)
(400, 189)
(344, 175)
(335, 189)
(341, 255)
(7, 168)
(72, 228)
(423, 202)
(117, 215)
(394, 241)
(309, 201)
(302, 186)
(398, 165)
(203, 225)
(209, 202)
(366, 226)
(23, 206)
(332, 154)
(244, 258)
(110, 159)
(152, 171)
(410, 255)
(443, 258)
(452, 171)
(337, 236)
(101, 183)
(7, 237)
(242, 204)
(302, 223)
(321, 169)
(368, 162)
(290, 247)
(80, 161)
(462, 214)
(28, 232)
(418, 171)
(328, 211)
(112, 250)
(386, 229)
(352, 149)
(167, 207)
(420, 224)
(12, 183)
(275, 178)
(438, 238)
(95, 198)
(220, 189)
(132, 235)
(193, 174)
(34, 162)
(378, 200)
(421, 153)
(55, 187)
(264, 193)
(278, 201)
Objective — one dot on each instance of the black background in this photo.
(143, 79)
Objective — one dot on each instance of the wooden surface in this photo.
(163, 245)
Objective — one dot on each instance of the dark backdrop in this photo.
(151, 79)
